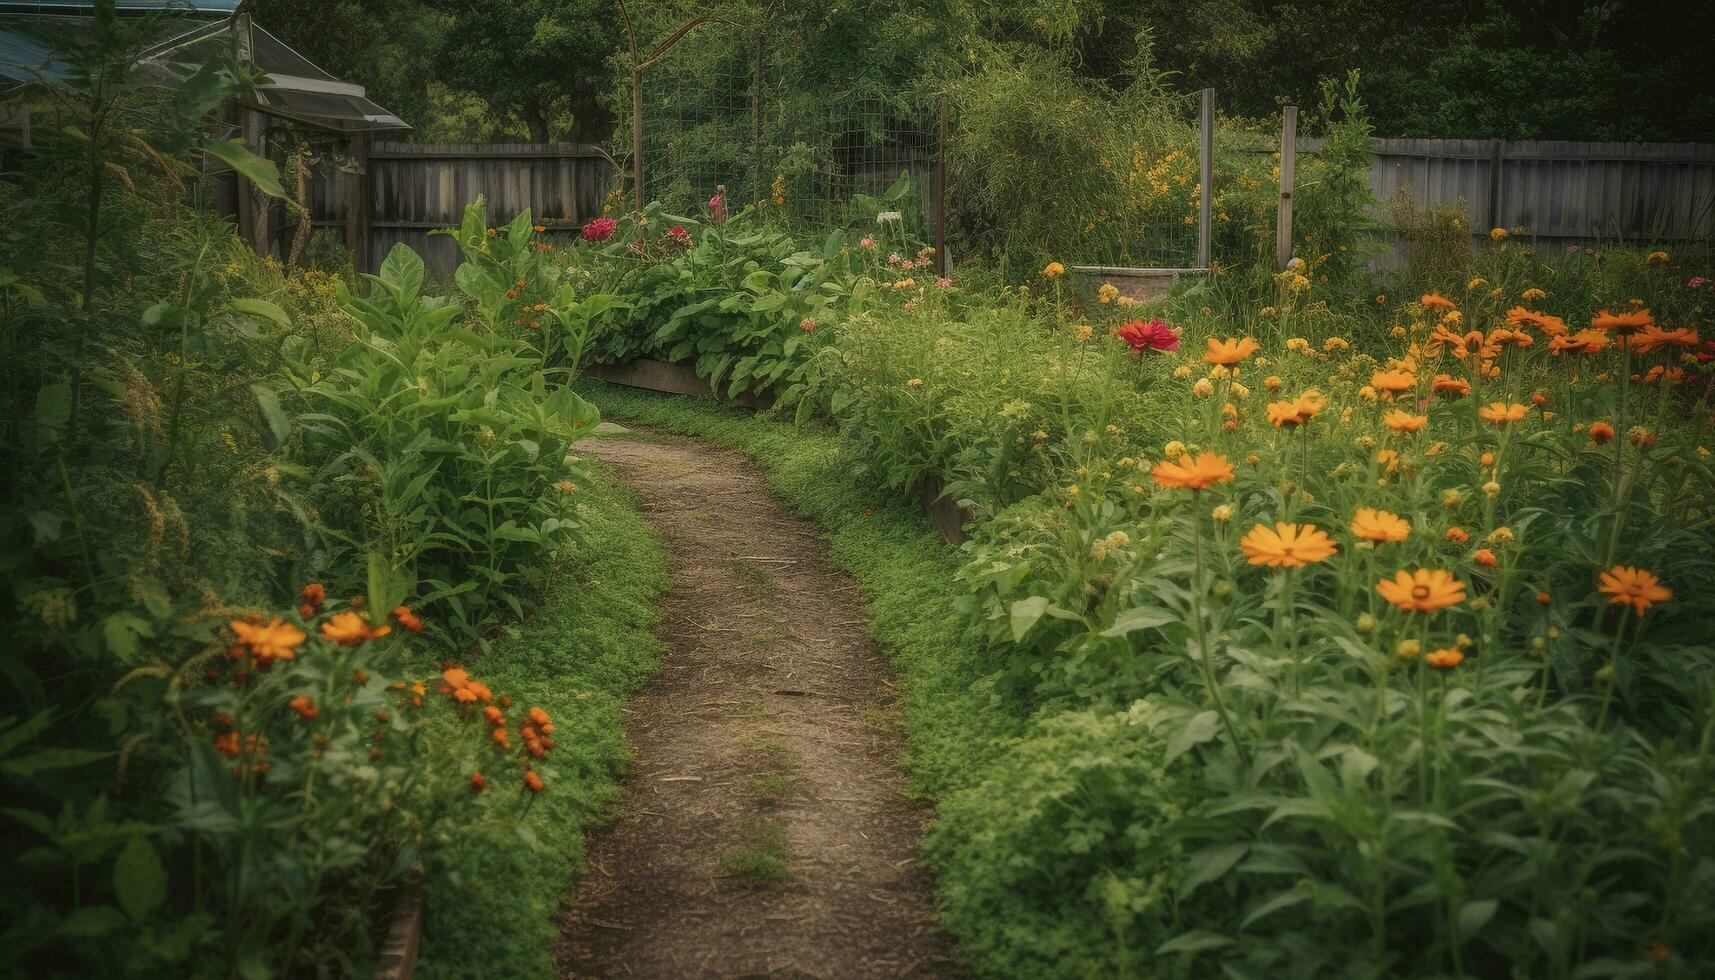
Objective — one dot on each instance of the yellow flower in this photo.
(1053, 270)
(1108, 293)
(1498, 234)
(1222, 512)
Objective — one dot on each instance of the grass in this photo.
(762, 863)
(591, 646)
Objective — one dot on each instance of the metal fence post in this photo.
(1288, 165)
(637, 136)
(941, 194)
(1206, 178)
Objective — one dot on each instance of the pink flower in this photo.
(867, 244)
(1154, 335)
(679, 235)
(892, 258)
(807, 324)
(717, 208)
(1697, 282)
(943, 282)
(599, 230)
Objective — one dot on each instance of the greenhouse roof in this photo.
(32, 35)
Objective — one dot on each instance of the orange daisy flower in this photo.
(1601, 432)
(1286, 545)
(1436, 301)
(1503, 413)
(1400, 420)
(1635, 587)
(1200, 473)
(532, 782)
(1380, 526)
(348, 629)
(278, 640)
(1625, 323)
(408, 619)
(1446, 384)
(1424, 590)
(1446, 658)
(1230, 351)
(1552, 326)
(305, 707)
(1393, 381)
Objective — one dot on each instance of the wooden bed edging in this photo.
(404, 934)
(679, 379)
(675, 379)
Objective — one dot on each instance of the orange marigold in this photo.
(532, 782)
(305, 707)
(408, 619)
(1601, 433)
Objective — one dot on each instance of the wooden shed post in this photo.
(256, 141)
(1205, 177)
(1288, 166)
(356, 204)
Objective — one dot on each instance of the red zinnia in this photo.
(599, 230)
(1153, 335)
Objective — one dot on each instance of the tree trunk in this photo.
(537, 124)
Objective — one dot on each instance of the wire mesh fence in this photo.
(720, 110)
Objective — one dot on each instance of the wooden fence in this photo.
(410, 189)
(1560, 192)
(1564, 192)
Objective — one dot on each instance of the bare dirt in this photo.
(764, 829)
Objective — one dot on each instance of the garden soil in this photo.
(764, 829)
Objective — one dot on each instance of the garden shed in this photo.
(299, 116)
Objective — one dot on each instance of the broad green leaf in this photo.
(121, 631)
(260, 171)
(139, 881)
(1473, 916)
(1025, 613)
(1195, 941)
(263, 310)
(1143, 617)
(277, 426)
(47, 760)
(1210, 863)
(1201, 728)
(53, 407)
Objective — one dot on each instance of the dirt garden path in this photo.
(763, 830)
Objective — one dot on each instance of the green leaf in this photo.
(263, 310)
(139, 881)
(1210, 864)
(1143, 617)
(258, 170)
(1195, 941)
(49, 759)
(1024, 614)
(1473, 916)
(1283, 900)
(1198, 730)
(278, 426)
(121, 631)
(53, 407)
(91, 922)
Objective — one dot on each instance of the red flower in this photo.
(717, 208)
(679, 236)
(599, 230)
(1154, 335)
(477, 782)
